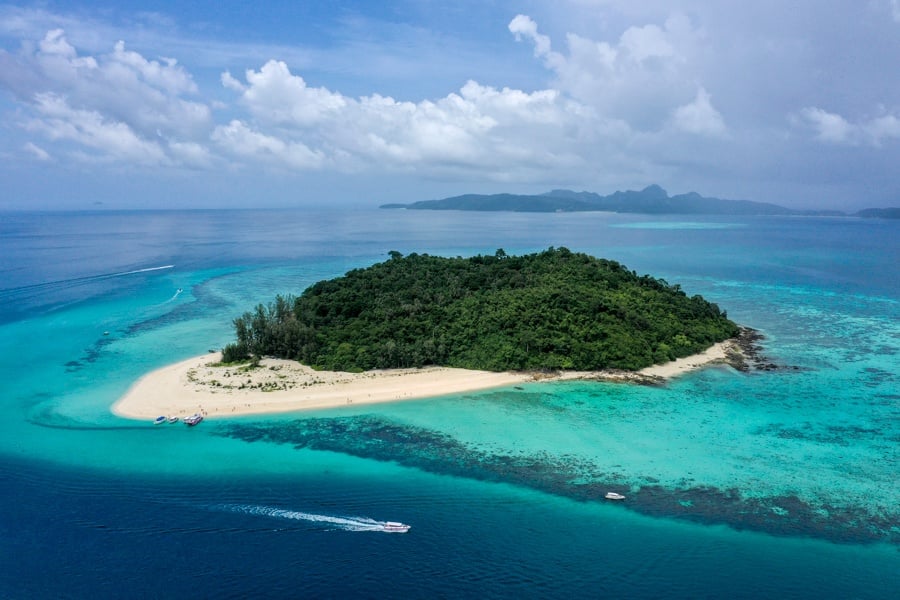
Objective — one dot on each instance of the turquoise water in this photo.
(779, 481)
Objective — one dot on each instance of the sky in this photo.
(216, 104)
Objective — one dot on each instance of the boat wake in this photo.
(178, 292)
(80, 280)
(327, 521)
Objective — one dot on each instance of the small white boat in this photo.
(395, 527)
(159, 420)
(614, 496)
(173, 419)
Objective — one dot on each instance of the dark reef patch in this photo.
(750, 355)
(875, 377)
(573, 477)
(91, 355)
(836, 435)
(202, 303)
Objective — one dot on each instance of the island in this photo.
(419, 326)
(652, 200)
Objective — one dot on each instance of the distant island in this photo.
(651, 200)
(879, 213)
(553, 310)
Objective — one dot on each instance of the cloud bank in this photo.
(122, 106)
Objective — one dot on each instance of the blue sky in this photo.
(158, 104)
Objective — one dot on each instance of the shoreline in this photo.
(200, 385)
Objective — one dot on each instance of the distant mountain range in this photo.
(650, 200)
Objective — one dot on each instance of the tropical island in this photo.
(551, 310)
(418, 325)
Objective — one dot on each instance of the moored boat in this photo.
(173, 419)
(193, 419)
(614, 496)
(159, 420)
(395, 527)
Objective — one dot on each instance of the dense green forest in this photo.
(555, 309)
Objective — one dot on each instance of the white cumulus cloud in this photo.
(836, 129)
(121, 90)
(882, 128)
(111, 139)
(639, 78)
(274, 95)
(699, 117)
(829, 127)
(166, 76)
(480, 128)
(238, 139)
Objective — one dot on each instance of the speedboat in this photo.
(173, 419)
(395, 527)
(159, 420)
(614, 496)
(193, 419)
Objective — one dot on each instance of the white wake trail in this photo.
(174, 297)
(62, 283)
(147, 270)
(344, 523)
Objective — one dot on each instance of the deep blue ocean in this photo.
(779, 483)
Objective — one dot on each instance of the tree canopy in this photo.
(554, 309)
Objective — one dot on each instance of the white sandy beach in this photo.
(200, 385)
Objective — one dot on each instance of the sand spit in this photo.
(203, 385)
